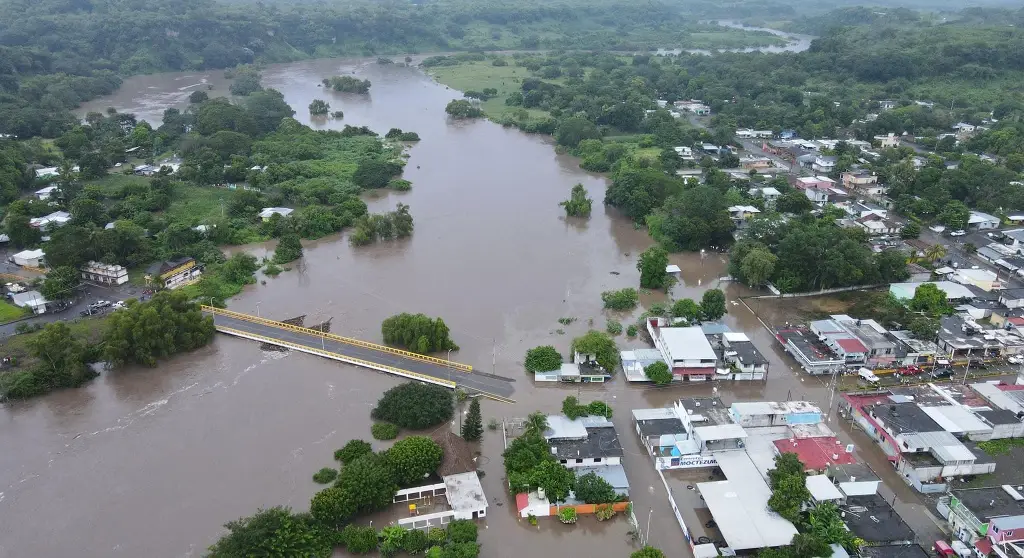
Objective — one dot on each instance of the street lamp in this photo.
(449, 366)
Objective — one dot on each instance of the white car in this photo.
(1015, 360)
(957, 233)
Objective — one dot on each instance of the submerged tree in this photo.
(578, 204)
(319, 107)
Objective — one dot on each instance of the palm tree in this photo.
(536, 422)
(935, 252)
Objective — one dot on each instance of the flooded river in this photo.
(150, 462)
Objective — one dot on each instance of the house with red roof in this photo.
(816, 453)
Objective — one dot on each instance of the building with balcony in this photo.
(104, 274)
(990, 519)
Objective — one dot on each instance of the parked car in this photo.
(868, 376)
(977, 363)
(958, 233)
(1015, 359)
(909, 370)
(941, 373)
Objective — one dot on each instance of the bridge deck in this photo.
(369, 355)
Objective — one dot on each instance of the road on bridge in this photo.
(230, 322)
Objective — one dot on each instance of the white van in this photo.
(868, 375)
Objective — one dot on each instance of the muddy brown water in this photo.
(151, 462)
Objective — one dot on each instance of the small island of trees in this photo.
(319, 107)
(578, 204)
(347, 84)
(462, 108)
(398, 134)
(418, 333)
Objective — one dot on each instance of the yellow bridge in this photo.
(424, 368)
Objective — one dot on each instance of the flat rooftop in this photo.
(874, 520)
(464, 492)
(706, 411)
(687, 343)
(816, 453)
(989, 502)
(813, 350)
(600, 442)
(904, 417)
(659, 426)
(740, 505)
(854, 472)
(746, 353)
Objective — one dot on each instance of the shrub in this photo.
(592, 489)
(543, 359)
(384, 431)
(415, 406)
(602, 346)
(567, 515)
(462, 531)
(392, 539)
(572, 408)
(658, 373)
(437, 536)
(631, 331)
(415, 541)
(413, 458)
(325, 475)
(272, 269)
(622, 299)
(400, 184)
(359, 540)
(493, 424)
(417, 333)
(613, 327)
(599, 408)
(353, 450)
(604, 512)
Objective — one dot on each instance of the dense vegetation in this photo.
(809, 253)
(529, 463)
(418, 333)
(599, 345)
(415, 406)
(542, 359)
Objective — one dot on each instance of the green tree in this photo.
(954, 215)
(556, 480)
(688, 309)
(462, 531)
(931, 300)
(592, 489)
(332, 506)
(648, 552)
(712, 304)
(571, 131)
(578, 204)
(373, 173)
(536, 422)
(417, 333)
(274, 532)
(651, 265)
(415, 541)
(935, 252)
(60, 283)
(415, 406)
(622, 299)
(793, 201)
(758, 266)
(160, 327)
(197, 97)
(461, 108)
(473, 425)
(348, 84)
(601, 346)
(359, 540)
(288, 249)
(367, 484)
(413, 458)
(318, 107)
(542, 359)
(789, 489)
(658, 373)
(352, 450)
(910, 230)
(391, 540)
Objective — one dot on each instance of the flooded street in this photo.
(151, 462)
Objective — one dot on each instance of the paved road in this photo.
(470, 381)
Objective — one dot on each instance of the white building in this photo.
(33, 300)
(982, 221)
(583, 442)
(29, 258)
(56, 219)
(106, 274)
(889, 140)
(686, 350)
(824, 163)
(465, 495)
(46, 172)
(269, 212)
(46, 193)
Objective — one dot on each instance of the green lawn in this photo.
(112, 183)
(196, 205)
(10, 312)
(477, 76)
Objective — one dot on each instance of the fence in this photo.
(583, 509)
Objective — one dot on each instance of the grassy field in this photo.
(476, 76)
(112, 183)
(196, 205)
(10, 312)
(89, 330)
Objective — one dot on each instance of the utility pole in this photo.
(967, 369)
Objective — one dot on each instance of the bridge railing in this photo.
(366, 345)
(337, 356)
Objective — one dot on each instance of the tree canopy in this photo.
(418, 333)
(415, 406)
